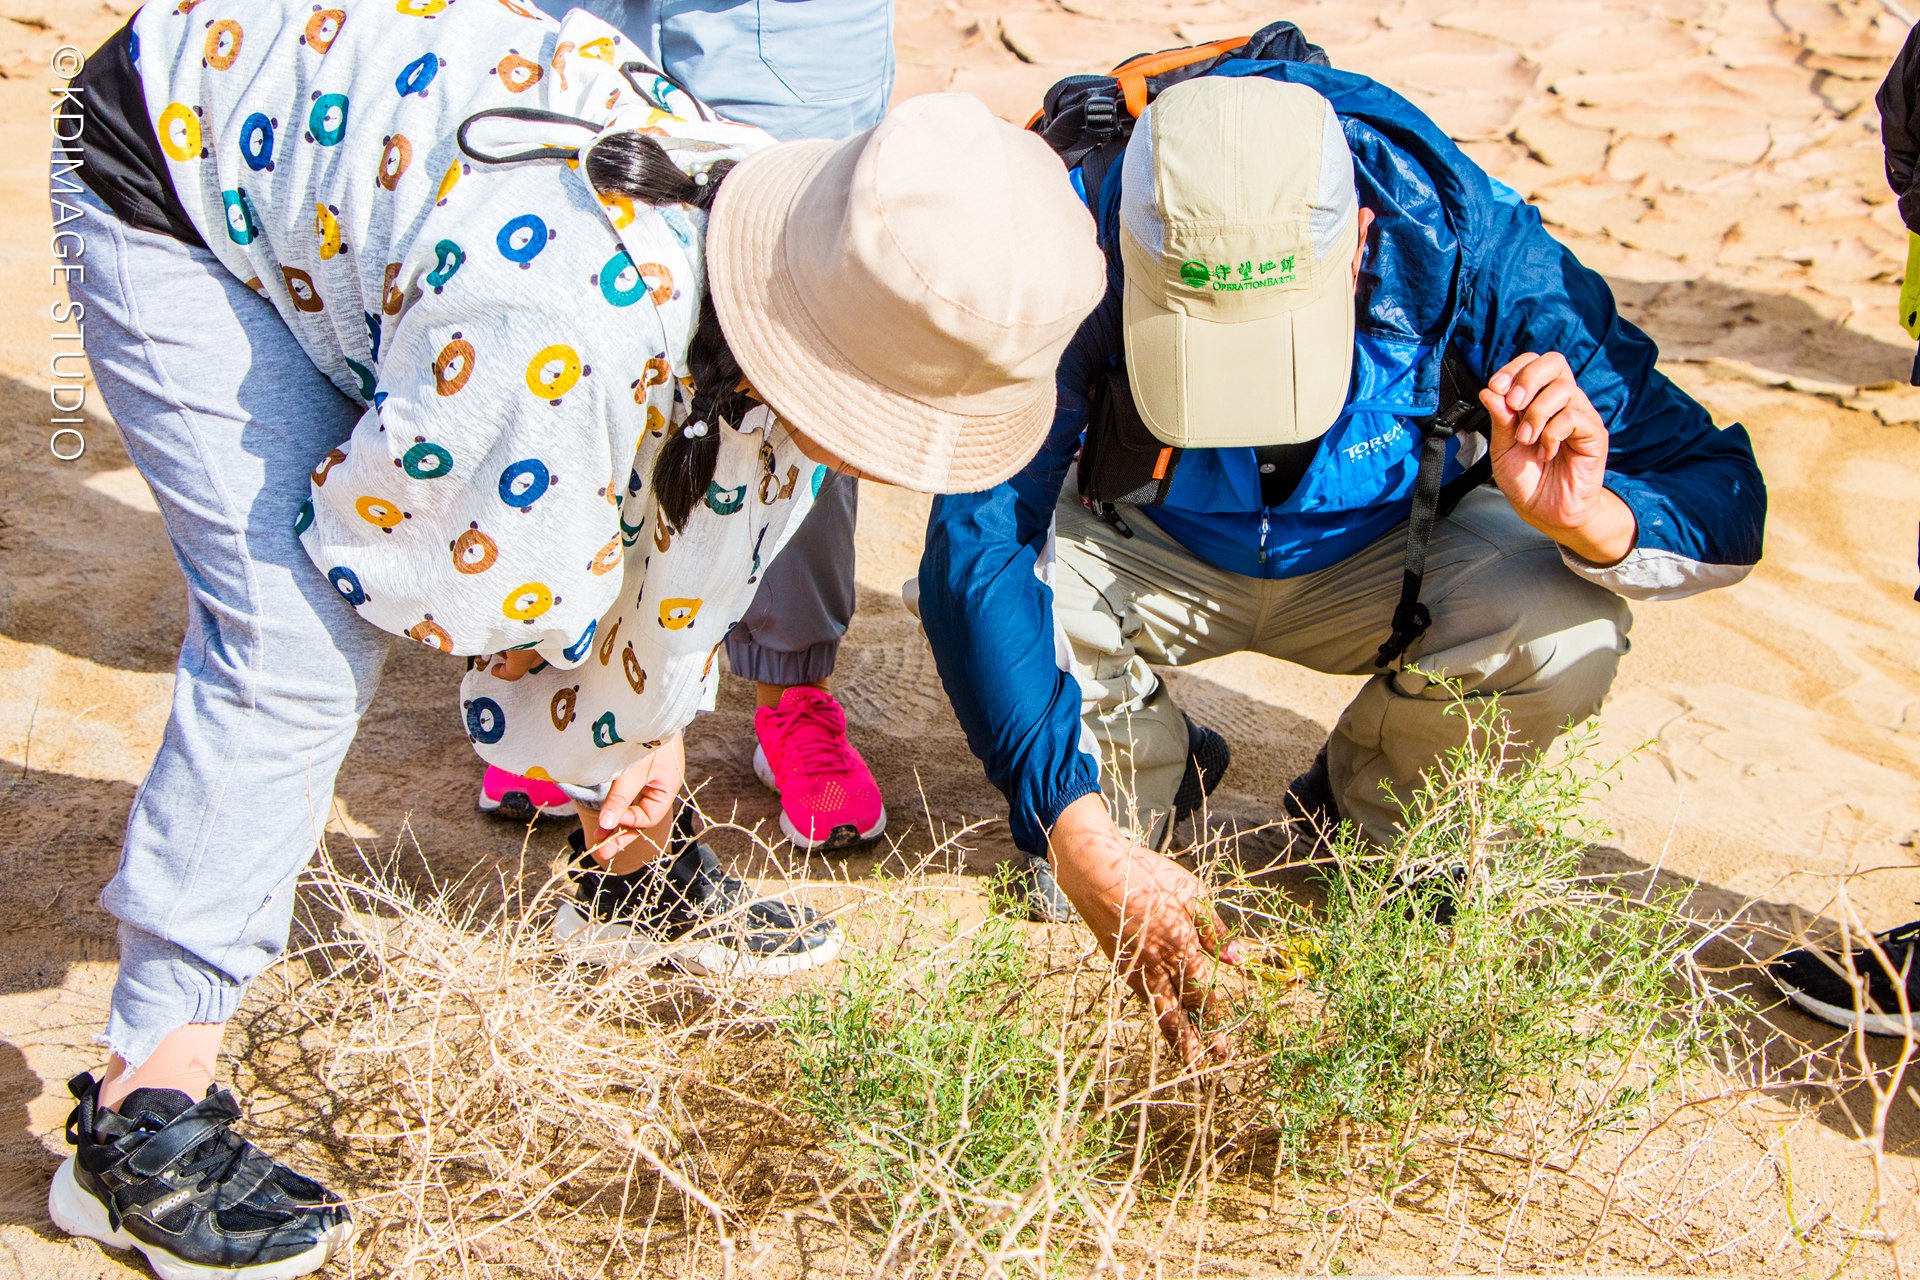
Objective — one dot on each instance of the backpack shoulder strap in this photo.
(1137, 77)
(1458, 387)
(1460, 413)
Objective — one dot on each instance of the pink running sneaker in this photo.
(517, 799)
(828, 798)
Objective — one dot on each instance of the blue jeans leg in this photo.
(796, 68)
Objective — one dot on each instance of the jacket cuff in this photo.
(1048, 812)
(1649, 573)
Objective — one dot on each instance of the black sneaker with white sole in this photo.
(1818, 982)
(684, 910)
(168, 1176)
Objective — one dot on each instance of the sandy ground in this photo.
(1719, 161)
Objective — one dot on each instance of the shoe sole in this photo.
(77, 1213)
(516, 806)
(844, 836)
(1874, 1024)
(606, 944)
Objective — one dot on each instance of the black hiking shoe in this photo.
(1818, 982)
(684, 910)
(1046, 902)
(168, 1176)
(1208, 756)
(1312, 815)
(1308, 804)
(1434, 892)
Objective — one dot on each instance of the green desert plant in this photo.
(1473, 973)
(950, 1085)
(1469, 982)
(967, 1094)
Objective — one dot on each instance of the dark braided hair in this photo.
(636, 166)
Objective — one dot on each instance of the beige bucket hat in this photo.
(902, 297)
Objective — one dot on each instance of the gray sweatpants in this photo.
(224, 415)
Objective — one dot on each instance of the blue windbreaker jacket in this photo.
(1455, 259)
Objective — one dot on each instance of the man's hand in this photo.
(636, 821)
(1146, 912)
(1550, 457)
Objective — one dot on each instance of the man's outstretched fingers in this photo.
(1199, 999)
(1175, 1025)
(1196, 983)
(1496, 406)
(1547, 403)
(1559, 429)
(1214, 937)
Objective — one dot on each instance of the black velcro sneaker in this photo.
(684, 910)
(167, 1176)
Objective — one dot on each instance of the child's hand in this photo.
(640, 803)
(513, 664)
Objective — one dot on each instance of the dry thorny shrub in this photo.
(1472, 1052)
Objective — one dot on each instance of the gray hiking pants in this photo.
(1508, 619)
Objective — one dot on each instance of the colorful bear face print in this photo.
(518, 340)
(256, 141)
(323, 28)
(179, 132)
(431, 634)
(222, 44)
(474, 551)
(396, 155)
(327, 119)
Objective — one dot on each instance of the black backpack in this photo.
(1087, 120)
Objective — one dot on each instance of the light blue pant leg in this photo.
(224, 416)
(798, 69)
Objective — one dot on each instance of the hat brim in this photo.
(796, 369)
(1276, 379)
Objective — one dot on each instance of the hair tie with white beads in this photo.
(700, 179)
(695, 430)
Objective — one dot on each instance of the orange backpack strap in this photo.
(1134, 73)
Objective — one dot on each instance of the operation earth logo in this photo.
(1226, 278)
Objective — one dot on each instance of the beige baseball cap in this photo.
(1238, 221)
(904, 296)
